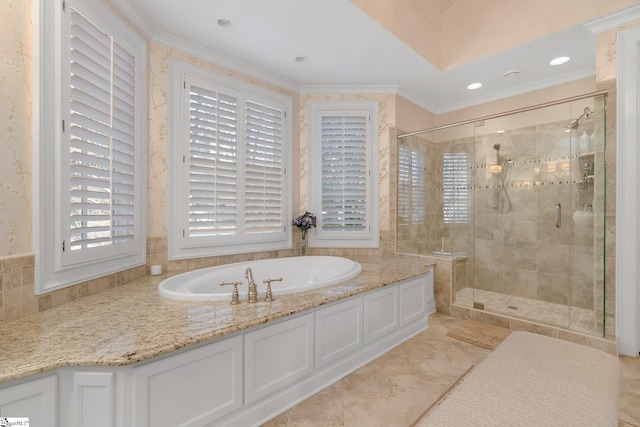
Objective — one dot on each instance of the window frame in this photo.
(181, 246)
(368, 238)
(51, 192)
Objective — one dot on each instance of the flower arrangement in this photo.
(305, 222)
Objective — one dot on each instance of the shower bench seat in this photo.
(535, 380)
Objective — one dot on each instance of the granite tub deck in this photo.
(132, 323)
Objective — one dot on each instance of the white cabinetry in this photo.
(241, 380)
(190, 388)
(380, 313)
(277, 355)
(413, 301)
(92, 399)
(338, 331)
(35, 400)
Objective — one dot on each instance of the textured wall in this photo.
(16, 88)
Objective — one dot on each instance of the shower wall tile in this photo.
(552, 141)
(583, 234)
(490, 252)
(521, 283)
(583, 261)
(554, 258)
(521, 227)
(582, 294)
(520, 255)
(489, 227)
(489, 277)
(549, 233)
(518, 144)
(554, 287)
(523, 199)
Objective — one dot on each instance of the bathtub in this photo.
(298, 274)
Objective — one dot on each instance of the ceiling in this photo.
(345, 50)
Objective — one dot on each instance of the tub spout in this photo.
(253, 288)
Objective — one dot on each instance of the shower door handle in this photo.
(558, 215)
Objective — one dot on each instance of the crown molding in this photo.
(541, 84)
(615, 19)
(326, 89)
(142, 24)
(224, 61)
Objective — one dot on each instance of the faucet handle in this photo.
(269, 295)
(235, 295)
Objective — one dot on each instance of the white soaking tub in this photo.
(298, 274)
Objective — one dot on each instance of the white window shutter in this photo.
(101, 146)
(411, 186)
(404, 185)
(264, 171)
(229, 192)
(90, 135)
(418, 205)
(344, 173)
(455, 191)
(212, 164)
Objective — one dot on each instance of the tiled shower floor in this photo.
(573, 318)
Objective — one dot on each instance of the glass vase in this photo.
(303, 246)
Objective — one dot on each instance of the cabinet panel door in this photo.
(380, 313)
(93, 399)
(277, 355)
(190, 388)
(35, 400)
(338, 331)
(412, 300)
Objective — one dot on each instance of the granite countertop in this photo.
(131, 323)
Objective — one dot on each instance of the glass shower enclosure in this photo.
(518, 202)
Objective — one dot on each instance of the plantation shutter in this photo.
(212, 163)
(411, 179)
(455, 188)
(263, 196)
(101, 145)
(404, 185)
(417, 187)
(344, 173)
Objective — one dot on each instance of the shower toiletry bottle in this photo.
(585, 141)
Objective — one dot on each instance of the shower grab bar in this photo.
(558, 215)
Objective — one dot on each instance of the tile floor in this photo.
(397, 387)
(575, 318)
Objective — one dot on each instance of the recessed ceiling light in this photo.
(511, 74)
(559, 60)
(473, 86)
(301, 58)
(223, 22)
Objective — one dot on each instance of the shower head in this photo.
(496, 146)
(573, 125)
(576, 122)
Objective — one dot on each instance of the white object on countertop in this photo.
(156, 270)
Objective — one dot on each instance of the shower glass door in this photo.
(539, 216)
(516, 204)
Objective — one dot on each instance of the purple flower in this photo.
(305, 222)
